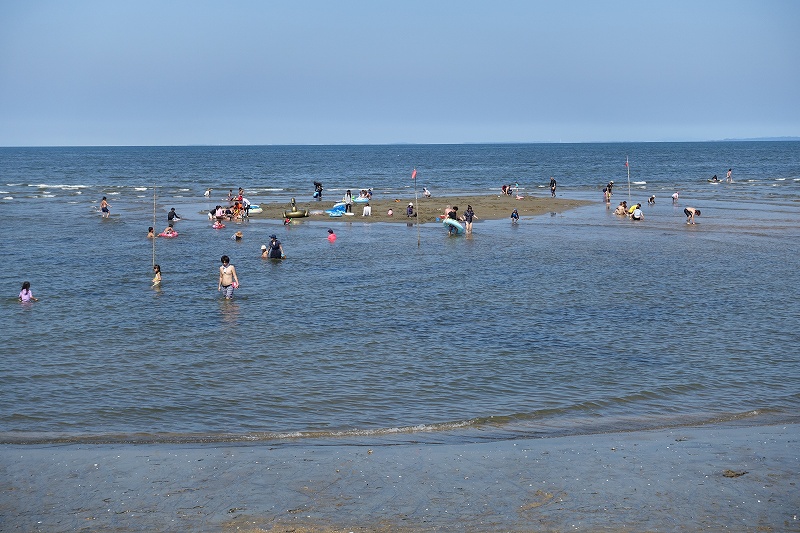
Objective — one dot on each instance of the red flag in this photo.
(626, 162)
(414, 174)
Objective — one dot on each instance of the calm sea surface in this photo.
(566, 323)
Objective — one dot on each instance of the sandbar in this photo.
(486, 207)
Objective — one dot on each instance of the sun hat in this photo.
(410, 203)
(273, 236)
(263, 246)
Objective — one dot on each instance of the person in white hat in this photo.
(264, 252)
(410, 210)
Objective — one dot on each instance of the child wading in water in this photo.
(25, 295)
(157, 275)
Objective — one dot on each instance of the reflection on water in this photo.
(229, 311)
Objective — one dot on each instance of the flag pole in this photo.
(629, 177)
(416, 203)
(155, 187)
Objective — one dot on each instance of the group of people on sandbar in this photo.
(238, 208)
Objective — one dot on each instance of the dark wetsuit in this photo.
(275, 249)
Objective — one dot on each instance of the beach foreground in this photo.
(688, 479)
(488, 207)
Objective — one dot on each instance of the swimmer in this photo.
(25, 295)
(227, 278)
(150, 233)
(104, 206)
(331, 236)
(156, 275)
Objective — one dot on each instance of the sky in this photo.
(240, 72)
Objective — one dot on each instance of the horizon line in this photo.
(222, 145)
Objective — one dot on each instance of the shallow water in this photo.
(565, 323)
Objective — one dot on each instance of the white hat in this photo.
(410, 203)
(263, 246)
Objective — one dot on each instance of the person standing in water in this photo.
(275, 250)
(156, 275)
(552, 186)
(469, 214)
(690, 213)
(728, 177)
(104, 205)
(514, 216)
(25, 295)
(227, 278)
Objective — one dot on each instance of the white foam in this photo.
(8, 197)
(54, 186)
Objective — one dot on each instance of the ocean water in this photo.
(566, 323)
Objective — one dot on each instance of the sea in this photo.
(572, 322)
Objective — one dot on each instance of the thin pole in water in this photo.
(154, 225)
(416, 202)
(629, 177)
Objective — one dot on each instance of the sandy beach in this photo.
(488, 207)
(707, 478)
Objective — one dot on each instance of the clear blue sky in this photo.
(175, 72)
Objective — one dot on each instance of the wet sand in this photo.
(487, 207)
(687, 479)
